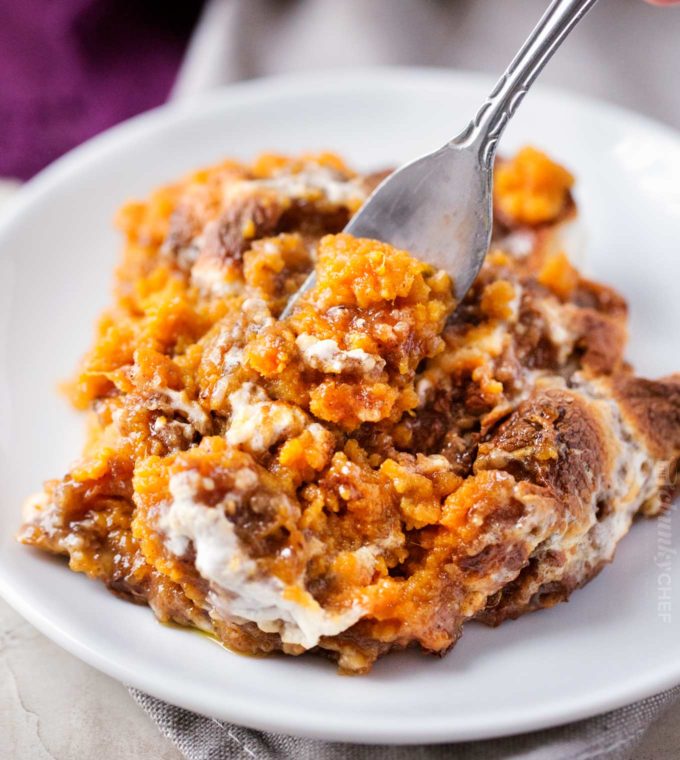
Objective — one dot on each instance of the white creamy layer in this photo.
(257, 422)
(192, 410)
(567, 236)
(40, 511)
(215, 277)
(560, 334)
(238, 590)
(312, 180)
(327, 356)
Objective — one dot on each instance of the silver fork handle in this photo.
(487, 127)
(485, 130)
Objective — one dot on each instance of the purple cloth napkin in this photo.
(71, 68)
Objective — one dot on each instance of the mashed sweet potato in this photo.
(381, 466)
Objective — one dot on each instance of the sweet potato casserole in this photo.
(378, 468)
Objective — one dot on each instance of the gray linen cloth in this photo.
(624, 52)
(613, 736)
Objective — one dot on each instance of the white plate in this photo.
(608, 647)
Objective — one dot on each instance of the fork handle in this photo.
(485, 129)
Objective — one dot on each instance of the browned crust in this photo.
(653, 408)
(564, 420)
(528, 593)
(557, 440)
(226, 240)
(537, 443)
(602, 340)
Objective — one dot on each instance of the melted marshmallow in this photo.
(238, 590)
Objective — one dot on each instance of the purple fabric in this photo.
(71, 68)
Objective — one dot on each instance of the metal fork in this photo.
(439, 207)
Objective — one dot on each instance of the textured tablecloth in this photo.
(613, 736)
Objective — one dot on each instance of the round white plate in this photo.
(612, 644)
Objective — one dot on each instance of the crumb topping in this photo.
(381, 466)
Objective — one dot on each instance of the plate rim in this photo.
(338, 80)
